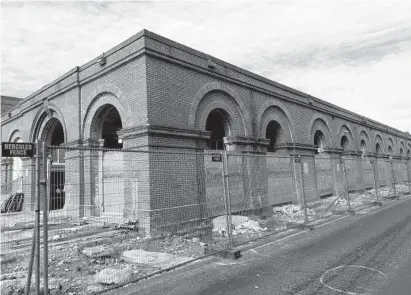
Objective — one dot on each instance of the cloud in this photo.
(351, 53)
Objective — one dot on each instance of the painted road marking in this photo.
(353, 266)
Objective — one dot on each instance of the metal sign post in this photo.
(46, 185)
(37, 222)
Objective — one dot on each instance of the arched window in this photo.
(274, 133)
(105, 125)
(344, 142)
(378, 148)
(363, 146)
(319, 141)
(217, 124)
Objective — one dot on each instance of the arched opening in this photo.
(111, 124)
(274, 133)
(53, 136)
(409, 153)
(319, 141)
(363, 146)
(344, 143)
(401, 152)
(378, 148)
(217, 124)
(390, 150)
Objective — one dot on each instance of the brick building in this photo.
(151, 93)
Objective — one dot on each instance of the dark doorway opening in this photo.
(217, 124)
(111, 124)
(274, 134)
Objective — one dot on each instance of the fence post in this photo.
(298, 159)
(37, 219)
(408, 176)
(349, 209)
(34, 240)
(47, 188)
(374, 162)
(227, 205)
(393, 179)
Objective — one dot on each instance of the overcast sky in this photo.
(355, 54)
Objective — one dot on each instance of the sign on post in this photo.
(216, 157)
(20, 149)
(305, 168)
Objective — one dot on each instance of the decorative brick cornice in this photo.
(383, 156)
(370, 155)
(351, 153)
(338, 151)
(155, 130)
(242, 140)
(296, 146)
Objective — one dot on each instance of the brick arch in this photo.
(211, 102)
(320, 123)
(96, 105)
(344, 126)
(378, 139)
(364, 136)
(218, 87)
(275, 111)
(402, 145)
(45, 135)
(390, 142)
(41, 118)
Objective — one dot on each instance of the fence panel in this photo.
(123, 215)
(116, 216)
(351, 172)
(265, 192)
(325, 176)
(368, 173)
(280, 179)
(16, 222)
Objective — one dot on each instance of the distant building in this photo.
(8, 102)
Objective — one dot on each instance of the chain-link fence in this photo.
(117, 216)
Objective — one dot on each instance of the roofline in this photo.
(154, 36)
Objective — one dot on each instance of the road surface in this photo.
(368, 253)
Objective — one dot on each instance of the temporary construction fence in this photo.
(117, 216)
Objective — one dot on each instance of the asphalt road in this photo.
(368, 253)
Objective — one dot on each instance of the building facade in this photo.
(151, 93)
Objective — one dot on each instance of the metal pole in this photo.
(349, 209)
(32, 253)
(408, 176)
(393, 180)
(374, 162)
(37, 220)
(226, 191)
(46, 185)
(299, 159)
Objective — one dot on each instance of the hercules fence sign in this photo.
(21, 149)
